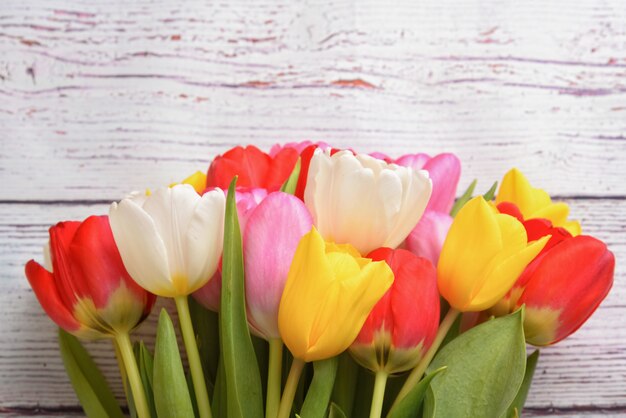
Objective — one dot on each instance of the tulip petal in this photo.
(204, 239)
(516, 188)
(309, 260)
(504, 275)
(445, 171)
(270, 239)
(473, 240)
(141, 247)
(555, 212)
(428, 236)
(46, 291)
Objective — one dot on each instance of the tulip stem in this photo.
(274, 378)
(130, 364)
(193, 356)
(418, 371)
(290, 388)
(379, 394)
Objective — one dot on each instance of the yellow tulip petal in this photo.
(472, 242)
(197, 180)
(573, 227)
(350, 302)
(555, 212)
(516, 188)
(504, 275)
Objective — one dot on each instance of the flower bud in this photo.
(403, 324)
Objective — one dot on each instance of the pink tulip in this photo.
(444, 170)
(269, 243)
(426, 239)
(247, 200)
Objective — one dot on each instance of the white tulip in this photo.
(363, 201)
(171, 241)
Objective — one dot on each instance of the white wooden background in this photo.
(101, 97)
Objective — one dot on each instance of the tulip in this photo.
(171, 246)
(444, 171)
(197, 180)
(87, 291)
(363, 201)
(298, 146)
(426, 239)
(270, 238)
(482, 256)
(269, 242)
(563, 287)
(533, 202)
(172, 243)
(253, 167)
(329, 293)
(403, 324)
(209, 295)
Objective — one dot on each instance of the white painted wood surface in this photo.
(101, 97)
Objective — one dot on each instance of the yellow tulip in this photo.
(482, 256)
(330, 291)
(197, 180)
(534, 202)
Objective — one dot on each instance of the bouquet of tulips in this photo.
(325, 283)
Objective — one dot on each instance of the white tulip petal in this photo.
(141, 247)
(205, 238)
(171, 210)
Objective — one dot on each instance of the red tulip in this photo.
(88, 292)
(562, 286)
(254, 168)
(404, 322)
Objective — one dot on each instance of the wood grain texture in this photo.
(90, 88)
(98, 98)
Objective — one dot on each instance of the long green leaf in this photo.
(335, 411)
(91, 389)
(345, 384)
(517, 405)
(318, 396)
(243, 381)
(146, 371)
(410, 404)
(218, 406)
(465, 197)
(206, 326)
(485, 369)
(171, 396)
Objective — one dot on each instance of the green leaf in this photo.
(145, 363)
(243, 381)
(171, 395)
(364, 390)
(430, 406)
(218, 406)
(262, 353)
(289, 186)
(491, 193)
(335, 411)
(410, 404)
(318, 395)
(485, 368)
(206, 326)
(518, 403)
(465, 197)
(91, 389)
(345, 384)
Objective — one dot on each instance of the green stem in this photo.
(290, 388)
(274, 378)
(136, 385)
(120, 364)
(193, 356)
(418, 371)
(379, 394)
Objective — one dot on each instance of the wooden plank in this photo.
(582, 376)
(102, 97)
